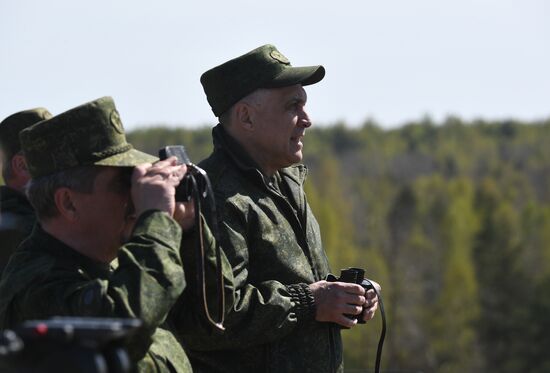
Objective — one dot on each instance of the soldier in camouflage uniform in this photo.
(285, 318)
(92, 191)
(16, 214)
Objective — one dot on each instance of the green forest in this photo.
(451, 218)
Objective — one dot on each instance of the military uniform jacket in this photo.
(273, 244)
(16, 221)
(46, 278)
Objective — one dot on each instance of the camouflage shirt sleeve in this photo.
(146, 283)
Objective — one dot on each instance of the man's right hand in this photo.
(154, 185)
(335, 299)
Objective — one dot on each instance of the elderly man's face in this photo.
(280, 124)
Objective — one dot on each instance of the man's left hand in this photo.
(371, 302)
(184, 214)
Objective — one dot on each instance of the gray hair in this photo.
(41, 191)
(255, 98)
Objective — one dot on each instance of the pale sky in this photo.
(390, 60)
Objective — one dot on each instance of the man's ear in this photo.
(64, 199)
(244, 116)
(19, 166)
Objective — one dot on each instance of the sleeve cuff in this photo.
(304, 302)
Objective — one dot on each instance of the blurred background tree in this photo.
(452, 219)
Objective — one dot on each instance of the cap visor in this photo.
(305, 75)
(129, 158)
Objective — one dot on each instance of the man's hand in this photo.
(334, 299)
(185, 215)
(154, 186)
(371, 302)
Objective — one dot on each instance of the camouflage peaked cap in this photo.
(263, 67)
(90, 134)
(15, 123)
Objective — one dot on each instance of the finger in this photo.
(140, 170)
(177, 170)
(174, 179)
(354, 299)
(350, 288)
(371, 296)
(171, 174)
(180, 171)
(371, 307)
(345, 321)
(165, 170)
(184, 216)
(186, 208)
(161, 166)
(170, 161)
(351, 309)
(180, 212)
(189, 206)
(183, 210)
(368, 314)
(371, 303)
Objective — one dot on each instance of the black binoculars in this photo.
(354, 276)
(194, 178)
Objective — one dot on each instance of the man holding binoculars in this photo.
(286, 317)
(108, 239)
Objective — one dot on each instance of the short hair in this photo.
(254, 98)
(41, 191)
(225, 118)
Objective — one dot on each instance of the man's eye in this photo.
(123, 183)
(295, 106)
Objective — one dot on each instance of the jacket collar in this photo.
(225, 142)
(58, 249)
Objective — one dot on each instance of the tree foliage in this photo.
(452, 219)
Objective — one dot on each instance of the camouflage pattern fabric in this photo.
(15, 123)
(272, 241)
(188, 315)
(47, 278)
(16, 221)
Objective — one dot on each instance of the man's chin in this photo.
(296, 158)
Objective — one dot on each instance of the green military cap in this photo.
(90, 134)
(263, 67)
(12, 125)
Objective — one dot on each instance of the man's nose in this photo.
(304, 120)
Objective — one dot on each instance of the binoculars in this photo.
(194, 178)
(354, 276)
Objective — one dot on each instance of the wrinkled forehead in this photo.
(301, 94)
(291, 93)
